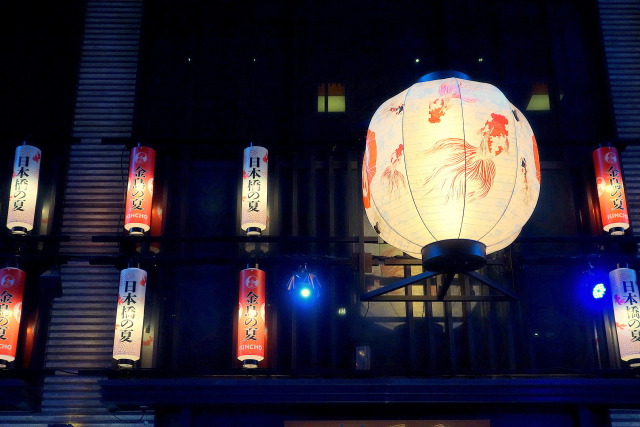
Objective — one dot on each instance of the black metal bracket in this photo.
(380, 293)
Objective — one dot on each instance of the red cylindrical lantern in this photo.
(613, 204)
(11, 295)
(252, 328)
(137, 219)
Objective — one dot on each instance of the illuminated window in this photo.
(539, 100)
(331, 98)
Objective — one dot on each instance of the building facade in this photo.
(199, 82)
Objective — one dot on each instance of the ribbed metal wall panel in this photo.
(107, 80)
(625, 417)
(631, 174)
(621, 34)
(82, 324)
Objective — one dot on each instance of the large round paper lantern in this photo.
(450, 172)
(23, 193)
(137, 219)
(11, 294)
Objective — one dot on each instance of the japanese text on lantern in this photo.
(254, 189)
(128, 311)
(5, 313)
(253, 185)
(616, 186)
(251, 317)
(21, 185)
(626, 311)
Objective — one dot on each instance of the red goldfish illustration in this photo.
(391, 177)
(467, 170)
(448, 90)
(369, 167)
(398, 110)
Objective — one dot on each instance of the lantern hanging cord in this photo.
(255, 255)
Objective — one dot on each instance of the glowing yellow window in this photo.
(331, 98)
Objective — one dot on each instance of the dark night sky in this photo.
(222, 95)
(39, 44)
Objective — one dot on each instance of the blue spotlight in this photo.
(593, 288)
(305, 292)
(599, 290)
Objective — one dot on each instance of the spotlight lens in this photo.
(305, 292)
(599, 291)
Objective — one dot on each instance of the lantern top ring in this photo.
(454, 255)
(443, 74)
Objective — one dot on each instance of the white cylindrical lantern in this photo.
(450, 165)
(130, 316)
(626, 310)
(254, 190)
(611, 195)
(12, 282)
(137, 219)
(24, 189)
(252, 329)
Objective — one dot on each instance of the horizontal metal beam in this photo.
(450, 298)
(396, 285)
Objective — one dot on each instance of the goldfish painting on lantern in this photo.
(448, 91)
(469, 171)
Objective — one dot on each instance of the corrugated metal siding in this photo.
(625, 417)
(82, 324)
(631, 174)
(621, 33)
(107, 80)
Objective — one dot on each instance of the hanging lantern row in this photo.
(611, 195)
(12, 282)
(252, 329)
(127, 340)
